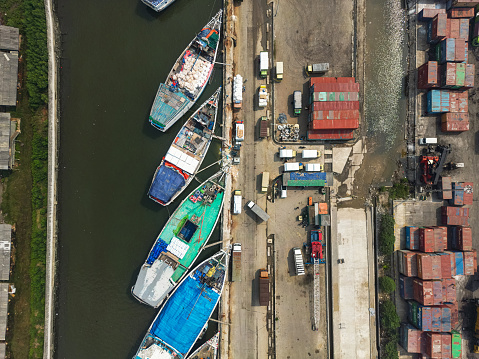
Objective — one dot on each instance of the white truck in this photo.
(428, 141)
(320, 68)
(236, 263)
(237, 92)
(237, 202)
(263, 64)
(262, 96)
(239, 131)
(279, 71)
(258, 211)
(292, 166)
(313, 167)
(298, 102)
(298, 261)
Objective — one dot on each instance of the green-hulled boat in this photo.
(180, 241)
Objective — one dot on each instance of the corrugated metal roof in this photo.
(9, 38)
(5, 248)
(8, 78)
(3, 309)
(5, 134)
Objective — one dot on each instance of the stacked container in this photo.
(411, 338)
(461, 238)
(455, 216)
(446, 185)
(429, 266)
(428, 75)
(438, 101)
(451, 50)
(437, 28)
(428, 292)
(458, 101)
(412, 238)
(457, 13)
(429, 14)
(470, 262)
(406, 289)
(408, 263)
(429, 319)
(456, 344)
(432, 239)
(438, 345)
(454, 122)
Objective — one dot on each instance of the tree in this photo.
(388, 317)
(387, 284)
(386, 235)
(390, 350)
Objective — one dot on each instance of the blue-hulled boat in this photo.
(186, 154)
(185, 314)
(188, 77)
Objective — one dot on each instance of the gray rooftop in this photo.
(8, 78)
(2, 350)
(9, 38)
(5, 244)
(5, 129)
(3, 309)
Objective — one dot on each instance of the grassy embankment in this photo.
(25, 188)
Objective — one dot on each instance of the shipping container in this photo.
(428, 266)
(457, 194)
(460, 13)
(412, 238)
(455, 220)
(456, 344)
(455, 126)
(470, 262)
(428, 14)
(427, 75)
(330, 134)
(468, 193)
(464, 240)
(410, 338)
(462, 3)
(438, 101)
(429, 319)
(334, 115)
(336, 105)
(446, 183)
(454, 310)
(469, 77)
(334, 87)
(438, 28)
(333, 124)
(452, 28)
(325, 96)
(455, 211)
(464, 30)
(428, 292)
(458, 265)
(406, 290)
(426, 240)
(408, 264)
(458, 101)
(438, 345)
(449, 290)
(446, 260)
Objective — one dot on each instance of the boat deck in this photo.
(167, 104)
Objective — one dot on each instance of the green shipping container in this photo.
(456, 344)
(438, 52)
(413, 312)
(460, 75)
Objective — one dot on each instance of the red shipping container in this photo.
(334, 124)
(464, 242)
(322, 80)
(446, 265)
(454, 117)
(330, 134)
(335, 115)
(440, 235)
(427, 75)
(469, 79)
(464, 30)
(469, 266)
(455, 220)
(347, 80)
(461, 12)
(455, 211)
(453, 28)
(427, 14)
(449, 290)
(428, 292)
(454, 313)
(446, 347)
(448, 74)
(434, 345)
(428, 266)
(460, 50)
(458, 103)
(439, 27)
(454, 126)
(336, 105)
(468, 192)
(464, 3)
(426, 240)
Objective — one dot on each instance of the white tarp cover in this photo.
(153, 283)
(178, 247)
(182, 160)
(309, 153)
(154, 352)
(313, 167)
(263, 60)
(293, 166)
(285, 153)
(238, 89)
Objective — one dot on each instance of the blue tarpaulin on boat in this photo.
(185, 314)
(166, 184)
(160, 246)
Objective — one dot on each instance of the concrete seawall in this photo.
(50, 279)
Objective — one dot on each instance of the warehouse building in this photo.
(9, 45)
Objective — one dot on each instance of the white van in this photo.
(237, 202)
(428, 141)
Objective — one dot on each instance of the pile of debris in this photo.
(288, 132)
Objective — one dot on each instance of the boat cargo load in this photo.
(263, 64)
(237, 92)
(263, 287)
(239, 131)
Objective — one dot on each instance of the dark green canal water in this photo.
(115, 53)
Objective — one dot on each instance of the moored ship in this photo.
(208, 349)
(180, 241)
(158, 5)
(188, 77)
(186, 313)
(185, 155)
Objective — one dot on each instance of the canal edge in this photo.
(50, 279)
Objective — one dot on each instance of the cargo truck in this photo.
(237, 92)
(298, 261)
(263, 127)
(310, 154)
(285, 153)
(298, 102)
(237, 199)
(264, 181)
(279, 71)
(236, 263)
(262, 96)
(263, 287)
(263, 64)
(320, 68)
(258, 211)
(292, 166)
(239, 131)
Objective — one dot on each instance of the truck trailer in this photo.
(279, 71)
(298, 261)
(298, 102)
(264, 181)
(258, 211)
(263, 64)
(236, 263)
(263, 287)
(285, 153)
(237, 202)
(239, 131)
(320, 68)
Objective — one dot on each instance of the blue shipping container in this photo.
(458, 257)
(437, 101)
(446, 320)
(448, 50)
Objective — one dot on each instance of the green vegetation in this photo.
(399, 190)
(389, 319)
(390, 350)
(387, 284)
(386, 235)
(25, 191)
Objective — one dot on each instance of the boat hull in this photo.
(162, 5)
